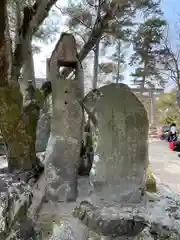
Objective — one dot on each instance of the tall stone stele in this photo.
(121, 151)
(63, 150)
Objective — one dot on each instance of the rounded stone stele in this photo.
(121, 151)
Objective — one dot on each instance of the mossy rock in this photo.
(151, 182)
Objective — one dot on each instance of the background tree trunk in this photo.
(28, 66)
(28, 72)
(18, 122)
(96, 64)
(178, 96)
(119, 61)
(18, 129)
(96, 50)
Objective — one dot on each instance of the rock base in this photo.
(158, 217)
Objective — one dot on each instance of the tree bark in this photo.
(178, 96)
(28, 68)
(18, 128)
(18, 122)
(18, 21)
(96, 63)
(119, 63)
(96, 50)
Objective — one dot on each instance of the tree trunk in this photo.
(119, 63)
(96, 51)
(18, 21)
(17, 122)
(18, 128)
(96, 64)
(178, 96)
(28, 66)
(28, 70)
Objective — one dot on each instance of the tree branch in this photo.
(78, 20)
(37, 14)
(90, 114)
(95, 35)
(175, 69)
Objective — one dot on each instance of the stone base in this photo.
(115, 221)
(127, 191)
(157, 217)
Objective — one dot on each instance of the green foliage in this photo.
(147, 46)
(83, 15)
(167, 109)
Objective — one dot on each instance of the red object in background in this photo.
(171, 145)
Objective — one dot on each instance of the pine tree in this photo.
(147, 44)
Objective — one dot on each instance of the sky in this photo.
(171, 9)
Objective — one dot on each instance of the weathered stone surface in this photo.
(43, 132)
(158, 217)
(53, 214)
(66, 50)
(39, 190)
(63, 229)
(63, 150)
(114, 221)
(15, 199)
(16, 196)
(44, 125)
(23, 230)
(121, 149)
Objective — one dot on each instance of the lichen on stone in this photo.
(151, 182)
(79, 213)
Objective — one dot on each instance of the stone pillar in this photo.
(63, 150)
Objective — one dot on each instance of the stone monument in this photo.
(121, 154)
(63, 150)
